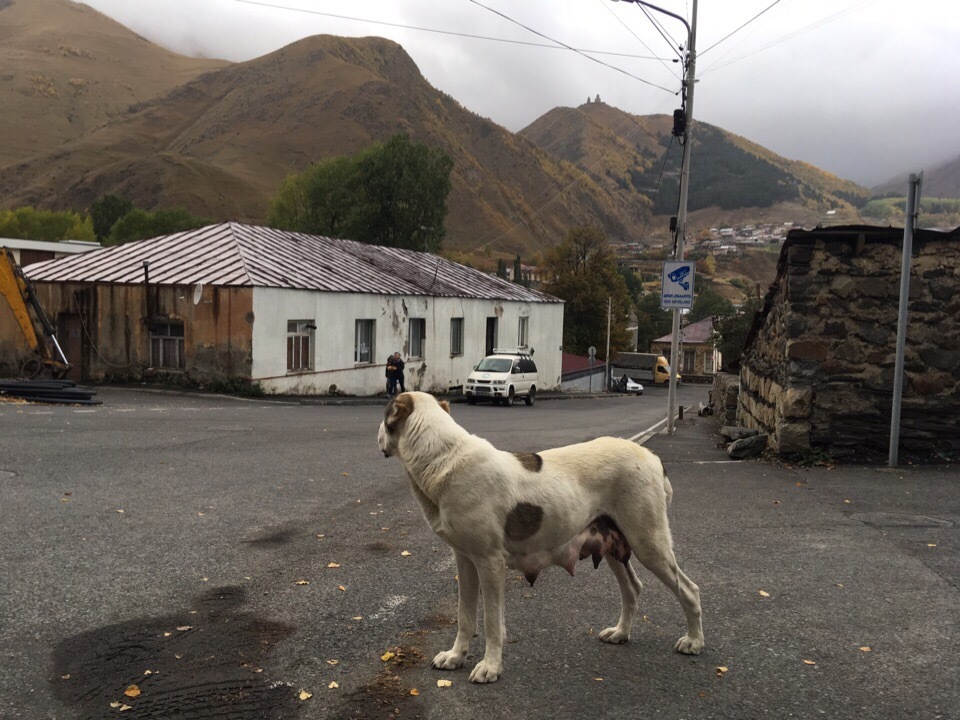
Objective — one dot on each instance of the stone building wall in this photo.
(818, 365)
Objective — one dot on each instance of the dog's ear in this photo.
(445, 405)
(399, 409)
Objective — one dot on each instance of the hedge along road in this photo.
(223, 554)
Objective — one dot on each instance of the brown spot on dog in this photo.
(523, 521)
(531, 461)
(445, 405)
(398, 410)
(605, 538)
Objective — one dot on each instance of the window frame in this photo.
(523, 331)
(161, 343)
(370, 336)
(303, 331)
(456, 336)
(417, 341)
(692, 356)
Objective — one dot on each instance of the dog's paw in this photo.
(448, 660)
(614, 635)
(486, 671)
(689, 646)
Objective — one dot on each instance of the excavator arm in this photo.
(20, 295)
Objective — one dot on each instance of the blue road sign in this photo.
(676, 287)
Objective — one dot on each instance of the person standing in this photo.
(391, 374)
(398, 372)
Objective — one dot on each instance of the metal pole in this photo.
(689, 82)
(606, 366)
(913, 206)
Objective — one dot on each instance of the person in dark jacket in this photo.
(398, 372)
(391, 374)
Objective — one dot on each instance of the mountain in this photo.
(87, 107)
(65, 69)
(728, 172)
(942, 181)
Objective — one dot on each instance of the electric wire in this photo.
(546, 37)
(674, 45)
(731, 34)
(606, 6)
(471, 36)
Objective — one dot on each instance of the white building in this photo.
(294, 313)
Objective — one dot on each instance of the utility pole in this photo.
(685, 115)
(688, 87)
(913, 208)
(606, 370)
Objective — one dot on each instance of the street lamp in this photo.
(682, 123)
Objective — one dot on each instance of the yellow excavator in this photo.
(22, 298)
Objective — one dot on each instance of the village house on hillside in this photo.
(292, 313)
(817, 370)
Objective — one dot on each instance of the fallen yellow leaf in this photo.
(303, 582)
(120, 511)
(358, 617)
(304, 695)
(721, 670)
(333, 565)
(184, 628)
(764, 593)
(125, 707)
(444, 683)
(405, 553)
(167, 634)
(333, 662)
(866, 648)
(809, 662)
(341, 588)
(115, 704)
(414, 692)
(839, 585)
(931, 544)
(132, 691)
(598, 679)
(148, 672)
(333, 686)
(387, 656)
(321, 536)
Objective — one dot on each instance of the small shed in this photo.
(290, 312)
(817, 371)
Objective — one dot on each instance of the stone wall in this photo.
(724, 398)
(818, 366)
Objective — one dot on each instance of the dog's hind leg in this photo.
(469, 588)
(659, 559)
(630, 587)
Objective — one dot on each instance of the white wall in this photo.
(335, 315)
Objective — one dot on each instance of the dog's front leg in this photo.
(469, 587)
(493, 573)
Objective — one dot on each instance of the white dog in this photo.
(605, 498)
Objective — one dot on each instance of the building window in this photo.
(166, 345)
(456, 336)
(522, 332)
(689, 360)
(363, 346)
(708, 362)
(418, 337)
(300, 345)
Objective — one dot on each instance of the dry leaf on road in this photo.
(405, 553)
(866, 648)
(333, 686)
(387, 656)
(302, 582)
(809, 662)
(333, 565)
(304, 695)
(414, 692)
(444, 683)
(764, 593)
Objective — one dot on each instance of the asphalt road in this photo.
(223, 554)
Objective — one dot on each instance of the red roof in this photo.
(696, 332)
(571, 363)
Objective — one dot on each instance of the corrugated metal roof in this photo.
(236, 255)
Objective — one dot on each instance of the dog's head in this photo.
(398, 416)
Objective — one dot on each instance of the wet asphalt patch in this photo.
(212, 662)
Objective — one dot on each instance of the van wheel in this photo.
(508, 400)
(531, 396)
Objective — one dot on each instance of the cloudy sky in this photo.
(866, 89)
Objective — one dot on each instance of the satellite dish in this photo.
(197, 293)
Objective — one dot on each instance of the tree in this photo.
(501, 269)
(581, 271)
(105, 211)
(708, 302)
(652, 321)
(730, 333)
(28, 223)
(139, 224)
(392, 194)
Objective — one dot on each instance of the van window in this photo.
(499, 365)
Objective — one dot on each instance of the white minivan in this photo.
(502, 378)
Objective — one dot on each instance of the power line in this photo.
(606, 5)
(660, 29)
(812, 26)
(558, 42)
(445, 32)
(727, 36)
